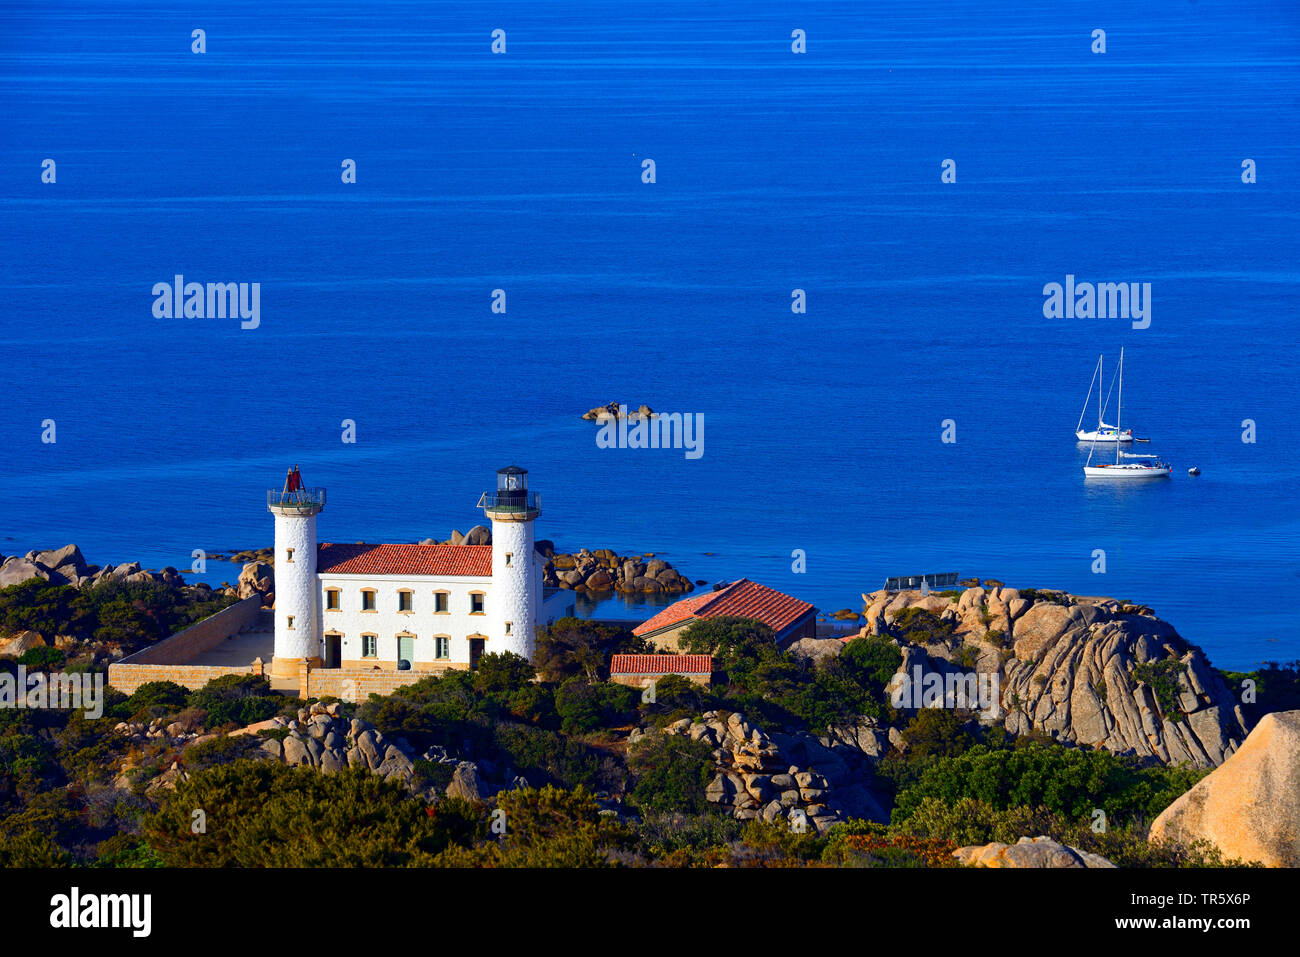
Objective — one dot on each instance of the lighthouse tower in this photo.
(297, 617)
(516, 575)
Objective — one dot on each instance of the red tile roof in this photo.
(674, 613)
(743, 599)
(339, 559)
(661, 665)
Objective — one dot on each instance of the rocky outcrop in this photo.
(614, 410)
(1249, 807)
(257, 578)
(321, 738)
(20, 643)
(815, 649)
(778, 776)
(60, 566)
(603, 570)
(1087, 671)
(478, 535)
(1028, 852)
(67, 566)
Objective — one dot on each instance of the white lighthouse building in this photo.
(516, 568)
(400, 607)
(297, 622)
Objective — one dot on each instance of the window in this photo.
(476, 603)
(369, 646)
(509, 627)
(331, 599)
(288, 554)
(367, 599)
(509, 559)
(442, 647)
(440, 602)
(405, 597)
(290, 622)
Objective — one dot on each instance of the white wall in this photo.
(295, 588)
(387, 621)
(517, 592)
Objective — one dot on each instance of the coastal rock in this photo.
(167, 780)
(604, 570)
(20, 643)
(1250, 806)
(815, 649)
(67, 561)
(256, 578)
(1067, 667)
(1046, 623)
(616, 410)
(478, 535)
(465, 782)
(16, 570)
(1028, 852)
(295, 750)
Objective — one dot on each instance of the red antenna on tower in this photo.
(293, 481)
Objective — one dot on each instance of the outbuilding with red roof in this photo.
(789, 617)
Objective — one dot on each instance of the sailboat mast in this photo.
(1119, 405)
(1101, 381)
(1084, 410)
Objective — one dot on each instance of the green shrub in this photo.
(546, 828)
(1070, 782)
(547, 757)
(671, 772)
(502, 674)
(222, 750)
(574, 647)
(238, 699)
(166, 696)
(1162, 678)
(266, 814)
(42, 658)
(1276, 687)
(585, 707)
(921, 627)
(432, 775)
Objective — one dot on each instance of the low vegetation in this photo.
(75, 792)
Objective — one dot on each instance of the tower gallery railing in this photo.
(298, 498)
(511, 501)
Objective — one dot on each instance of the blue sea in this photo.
(774, 171)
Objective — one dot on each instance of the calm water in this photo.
(775, 172)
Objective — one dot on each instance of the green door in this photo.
(405, 652)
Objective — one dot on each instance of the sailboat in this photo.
(1103, 432)
(1125, 467)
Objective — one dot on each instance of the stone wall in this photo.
(126, 678)
(641, 681)
(199, 637)
(357, 684)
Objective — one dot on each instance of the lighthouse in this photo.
(516, 573)
(297, 617)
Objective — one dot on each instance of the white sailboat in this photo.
(1125, 468)
(1104, 432)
